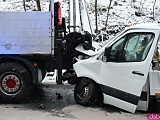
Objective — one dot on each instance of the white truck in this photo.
(32, 43)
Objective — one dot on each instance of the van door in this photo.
(125, 72)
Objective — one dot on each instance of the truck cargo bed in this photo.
(25, 33)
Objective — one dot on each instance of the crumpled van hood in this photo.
(91, 52)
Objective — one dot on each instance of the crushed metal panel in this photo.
(88, 68)
(25, 32)
(91, 52)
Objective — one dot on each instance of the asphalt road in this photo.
(50, 101)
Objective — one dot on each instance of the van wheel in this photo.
(15, 82)
(87, 93)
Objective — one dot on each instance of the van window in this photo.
(132, 47)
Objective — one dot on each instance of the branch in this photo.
(108, 13)
(24, 5)
(154, 8)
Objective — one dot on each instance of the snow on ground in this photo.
(122, 12)
(17, 5)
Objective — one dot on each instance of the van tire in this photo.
(15, 82)
(87, 93)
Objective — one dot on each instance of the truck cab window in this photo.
(132, 47)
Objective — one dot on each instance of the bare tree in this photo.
(132, 1)
(141, 6)
(24, 5)
(96, 16)
(38, 5)
(108, 14)
(37, 2)
(154, 8)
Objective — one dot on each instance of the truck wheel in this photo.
(87, 93)
(15, 82)
(43, 74)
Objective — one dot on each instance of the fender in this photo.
(89, 68)
(25, 62)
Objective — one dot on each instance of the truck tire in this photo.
(87, 93)
(15, 82)
(43, 74)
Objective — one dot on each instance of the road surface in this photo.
(56, 102)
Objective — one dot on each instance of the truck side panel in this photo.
(25, 33)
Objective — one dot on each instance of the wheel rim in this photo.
(83, 94)
(11, 84)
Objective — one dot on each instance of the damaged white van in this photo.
(119, 73)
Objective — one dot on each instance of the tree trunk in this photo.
(131, 3)
(96, 16)
(38, 5)
(154, 8)
(108, 14)
(24, 5)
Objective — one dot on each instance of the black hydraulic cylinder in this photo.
(59, 61)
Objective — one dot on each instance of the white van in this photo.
(118, 73)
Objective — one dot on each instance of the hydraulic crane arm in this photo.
(78, 17)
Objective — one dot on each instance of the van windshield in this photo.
(112, 38)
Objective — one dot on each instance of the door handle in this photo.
(138, 73)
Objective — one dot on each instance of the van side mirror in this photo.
(106, 55)
(87, 41)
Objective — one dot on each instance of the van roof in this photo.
(145, 26)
